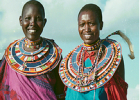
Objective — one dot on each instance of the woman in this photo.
(29, 68)
(94, 70)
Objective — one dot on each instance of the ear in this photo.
(45, 20)
(101, 25)
(20, 20)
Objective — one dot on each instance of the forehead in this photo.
(32, 8)
(90, 15)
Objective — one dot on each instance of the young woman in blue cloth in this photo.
(94, 70)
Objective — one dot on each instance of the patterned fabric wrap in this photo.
(116, 88)
(14, 86)
(106, 68)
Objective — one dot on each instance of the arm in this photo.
(121, 70)
(59, 86)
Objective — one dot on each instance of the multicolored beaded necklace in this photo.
(72, 73)
(36, 62)
(93, 46)
(33, 44)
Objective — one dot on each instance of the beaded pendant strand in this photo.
(84, 79)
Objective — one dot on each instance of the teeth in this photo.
(31, 31)
(87, 36)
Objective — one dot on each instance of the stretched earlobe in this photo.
(101, 25)
(45, 20)
(20, 20)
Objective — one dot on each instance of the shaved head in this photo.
(33, 2)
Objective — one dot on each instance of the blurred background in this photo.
(62, 26)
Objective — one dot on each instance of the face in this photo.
(32, 22)
(89, 26)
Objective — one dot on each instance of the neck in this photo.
(29, 42)
(92, 43)
(32, 45)
(93, 46)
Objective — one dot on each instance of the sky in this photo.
(62, 26)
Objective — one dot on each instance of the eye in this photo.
(27, 18)
(81, 24)
(91, 23)
(39, 18)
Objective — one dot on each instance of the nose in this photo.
(32, 22)
(87, 28)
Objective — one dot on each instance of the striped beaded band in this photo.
(29, 42)
(33, 47)
(92, 46)
(33, 44)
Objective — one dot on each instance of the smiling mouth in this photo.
(88, 36)
(32, 31)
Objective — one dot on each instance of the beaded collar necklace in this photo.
(93, 46)
(33, 44)
(43, 60)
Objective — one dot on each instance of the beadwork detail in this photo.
(75, 77)
(92, 46)
(33, 44)
(33, 63)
